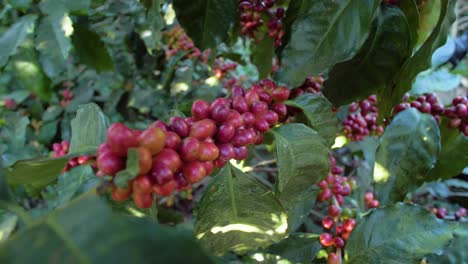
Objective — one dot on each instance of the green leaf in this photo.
(48, 132)
(72, 183)
(453, 156)
(320, 37)
(430, 81)
(53, 7)
(401, 233)
(8, 222)
(150, 32)
(52, 113)
(262, 56)
(29, 74)
(237, 213)
(421, 60)
(318, 111)
(53, 43)
(207, 22)
(15, 36)
(20, 4)
(376, 64)
(89, 129)
(63, 237)
(408, 150)
(90, 49)
(38, 172)
(16, 131)
(4, 191)
(296, 248)
(131, 170)
(456, 252)
(410, 9)
(303, 160)
(428, 17)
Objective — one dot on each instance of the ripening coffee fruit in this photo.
(208, 151)
(190, 149)
(225, 133)
(200, 110)
(160, 124)
(226, 151)
(103, 149)
(143, 200)
(194, 171)
(145, 160)
(110, 164)
(153, 139)
(220, 112)
(333, 258)
(240, 104)
(165, 189)
(261, 125)
(258, 107)
(181, 182)
(179, 126)
(241, 153)
(235, 119)
(161, 174)
(271, 117)
(120, 139)
(208, 167)
(280, 94)
(168, 158)
(172, 140)
(251, 96)
(326, 239)
(142, 184)
(120, 195)
(203, 129)
(249, 119)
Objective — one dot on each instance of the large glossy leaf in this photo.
(320, 37)
(89, 129)
(401, 233)
(318, 111)
(431, 81)
(421, 60)
(53, 43)
(302, 161)
(377, 63)
(14, 36)
(38, 172)
(90, 49)
(410, 9)
(453, 156)
(456, 252)
(408, 149)
(207, 22)
(237, 213)
(86, 231)
(296, 248)
(262, 56)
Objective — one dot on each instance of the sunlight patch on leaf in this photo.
(381, 174)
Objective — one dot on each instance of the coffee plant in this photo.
(225, 131)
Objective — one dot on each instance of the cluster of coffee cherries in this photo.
(441, 213)
(339, 223)
(362, 119)
(429, 104)
(252, 15)
(178, 40)
(370, 200)
(312, 84)
(61, 149)
(176, 155)
(10, 104)
(222, 67)
(67, 96)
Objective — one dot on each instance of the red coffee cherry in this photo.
(265, 97)
(220, 162)
(251, 96)
(261, 125)
(258, 107)
(181, 183)
(242, 137)
(324, 195)
(194, 171)
(166, 189)
(333, 210)
(209, 167)
(349, 224)
(271, 117)
(240, 104)
(142, 184)
(225, 133)
(374, 204)
(160, 124)
(203, 129)
(368, 197)
(168, 158)
(109, 163)
(226, 151)
(326, 239)
(220, 112)
(235, 119)
(172, 140)
(143, 200)
(200, 110)
(121, 138)
(104, 148)
(249, 119)
(241, 153)
(190, 149)
(338, 242)
(162, 174)
(120, 195)
(280, 94)
(327, 222)
(208, 151)
(145, 160)
(333, 258)
(179, 126)
(237, 91)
